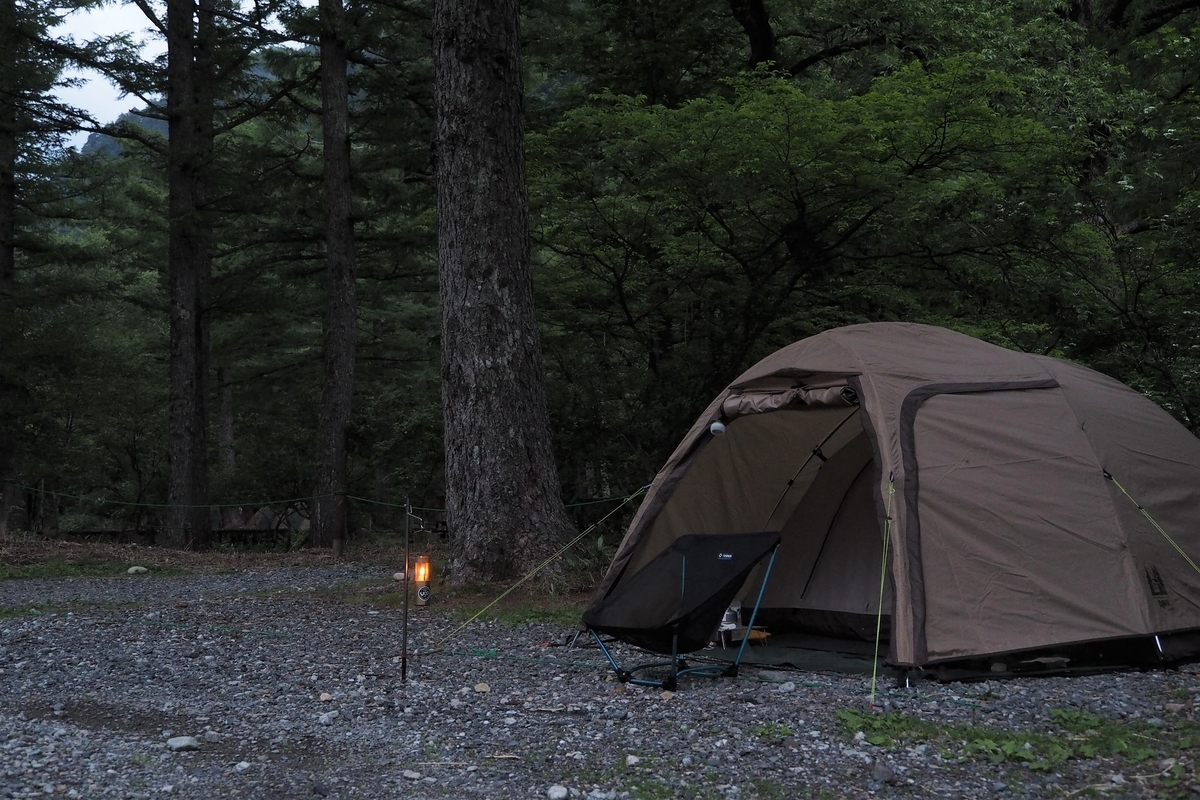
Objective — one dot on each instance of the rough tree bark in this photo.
(755, 20)
(341, 302)
(9, 92)
(9, 388)
(226, 451)
(503, 499)
(189, 150)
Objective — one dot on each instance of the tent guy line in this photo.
(1152, 521)
(549, 560)
(887, 534)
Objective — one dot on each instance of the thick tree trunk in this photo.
(9, 501)
(226, 452)
(50, 515)
(341, 302)
(8, 155)
(503, 500)
(381, 514)
(190, 130)
(755, 20)
(9, 387)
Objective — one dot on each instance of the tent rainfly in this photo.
(965, 503)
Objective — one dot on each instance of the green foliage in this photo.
(679, 245)
(999, 168)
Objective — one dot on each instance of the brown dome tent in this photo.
(1007, 507)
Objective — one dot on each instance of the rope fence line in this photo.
(290, 501)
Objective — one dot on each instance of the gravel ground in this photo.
(289, 683)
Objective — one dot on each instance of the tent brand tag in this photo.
(1158, 587)
(724, 556)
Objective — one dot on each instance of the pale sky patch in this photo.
(95, 94)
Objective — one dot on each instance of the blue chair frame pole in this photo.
(762, 589)
(707, 670)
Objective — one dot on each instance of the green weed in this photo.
(885, 730)
(520, 614)
(650, 789)
(36, 609)
(767, 790)
(29, 609)
(1084, 735)
(772, 730)
(1135, 741)
(60, 567)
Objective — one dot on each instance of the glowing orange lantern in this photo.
(422, 573)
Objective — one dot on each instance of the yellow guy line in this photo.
(539, 568)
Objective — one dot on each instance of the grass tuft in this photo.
(79, 567)
(1080, 735)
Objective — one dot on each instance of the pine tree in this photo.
(341, 306)
(502, 490)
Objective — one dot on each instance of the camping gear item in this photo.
(1036, 510)
(674, 604)
(731, 621)
(422, 574)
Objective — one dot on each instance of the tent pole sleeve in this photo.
(811, 456)
(750, 627)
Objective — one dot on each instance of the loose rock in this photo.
(91, 678)
(882, 772)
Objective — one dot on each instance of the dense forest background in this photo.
(708, 181)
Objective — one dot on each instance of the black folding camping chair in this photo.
(674, 603)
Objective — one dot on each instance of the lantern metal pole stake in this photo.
(404, 635)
